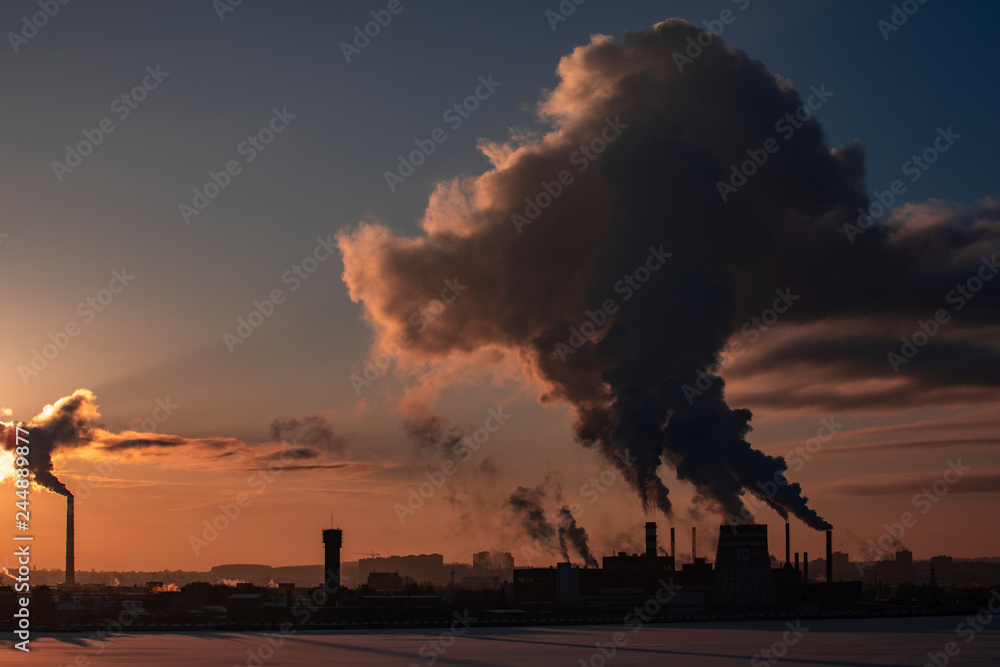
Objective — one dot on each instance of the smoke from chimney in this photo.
(66, 423)
(576, 535)
(528, 506)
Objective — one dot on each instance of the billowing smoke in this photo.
(66, 423)
(608, 259)
(576, 536)
(527, 506)
(72, 424)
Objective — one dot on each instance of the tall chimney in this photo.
(805, 566)
(788, 544)
(829, 556)
(70, 539)
(332, 541)
(651, 539)
(796, 561)
(673, 544)
(694, 542)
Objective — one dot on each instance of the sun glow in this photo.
(6, 465)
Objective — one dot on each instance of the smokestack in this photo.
(796, 561)
(694, 542)
(332, 541)
(829, 556)
(651, 539)
(805, 566)
(70, 539)
(673, 544)
(788, 543)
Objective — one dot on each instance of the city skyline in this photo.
(208, 290)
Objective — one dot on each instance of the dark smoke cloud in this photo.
(314, 432)
(433, 434)
(576, 536)
(656, 185)
(527, 506)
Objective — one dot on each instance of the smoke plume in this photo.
(66, 423)
(527, 506)
(72, 424)
(642, 149)
(576, 535)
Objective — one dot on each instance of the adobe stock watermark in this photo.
(752, 329)
(435, 648)
(967, 629)
(248, 149)
(31, 25)
(923, 501)
(263, 309)
(957, 297)
(87, 310)
(795, 460)
(581, 158)
(454, 116)
(302, 612)
(381, 18)
(223, 7)
(914, 168)
(714, 28)
(102, 638)
(635, 619)
(543, 542)
(419, 320)
(593, 488)
(563, 11)
(259, 480)
(758, 157)
(900, 14)
(779, 649)
(122, 106)
(464, 450)
(629, 284)
(86, 485)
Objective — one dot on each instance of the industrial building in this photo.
(741, 579)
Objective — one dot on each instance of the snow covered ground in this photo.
(808, 643)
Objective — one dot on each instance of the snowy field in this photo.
(848, 643)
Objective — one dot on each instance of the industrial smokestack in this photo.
(805, 566)
(829, 555)
(332, 541)
(796, 561)
(788, 543)
(673, 544)
(651, 539)
(70, 539)
(694, 542)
